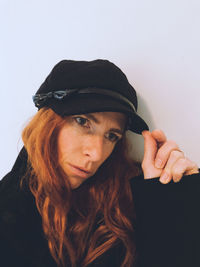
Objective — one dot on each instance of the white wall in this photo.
(156, 43)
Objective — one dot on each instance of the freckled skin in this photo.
(87, 144)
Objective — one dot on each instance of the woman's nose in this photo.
(94, 148)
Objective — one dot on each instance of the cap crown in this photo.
(70, 74)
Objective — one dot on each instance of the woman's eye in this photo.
(113, 137)
(82, 121)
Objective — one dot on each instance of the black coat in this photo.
(168, 224)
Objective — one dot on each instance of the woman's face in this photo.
(86, 141)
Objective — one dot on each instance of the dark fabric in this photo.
(168, 220)
(98, 74)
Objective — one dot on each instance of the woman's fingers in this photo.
(166, 175)
(182, 167)
(163, 158)
(150, 148)
(176, 167)
(164, 152)
(159, 136)
(151, 144)
(152, 141)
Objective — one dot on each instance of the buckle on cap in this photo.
(40, 99)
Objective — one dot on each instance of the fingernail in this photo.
(158, 163)
(164, 178)
(176, 179)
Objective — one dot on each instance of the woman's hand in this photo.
(164, 159)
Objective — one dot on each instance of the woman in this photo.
(74, 197)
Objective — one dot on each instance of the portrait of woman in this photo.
(76, 198)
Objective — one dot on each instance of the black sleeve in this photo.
(168, 221)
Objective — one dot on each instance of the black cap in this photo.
(80, 87)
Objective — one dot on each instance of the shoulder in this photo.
(168, 221)
(12, 196)
(153, 195)
(21, 233)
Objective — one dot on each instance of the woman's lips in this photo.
(79, 172)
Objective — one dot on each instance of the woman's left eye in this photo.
(113, 137)
(82, 121)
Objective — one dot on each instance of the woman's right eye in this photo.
(82, 121)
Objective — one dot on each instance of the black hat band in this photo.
(40, 99)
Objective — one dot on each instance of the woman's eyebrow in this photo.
(92, 117)
(117, 131)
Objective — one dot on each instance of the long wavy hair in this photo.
(81, 224)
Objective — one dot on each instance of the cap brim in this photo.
(83, 104)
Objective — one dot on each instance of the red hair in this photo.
(69, 216)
